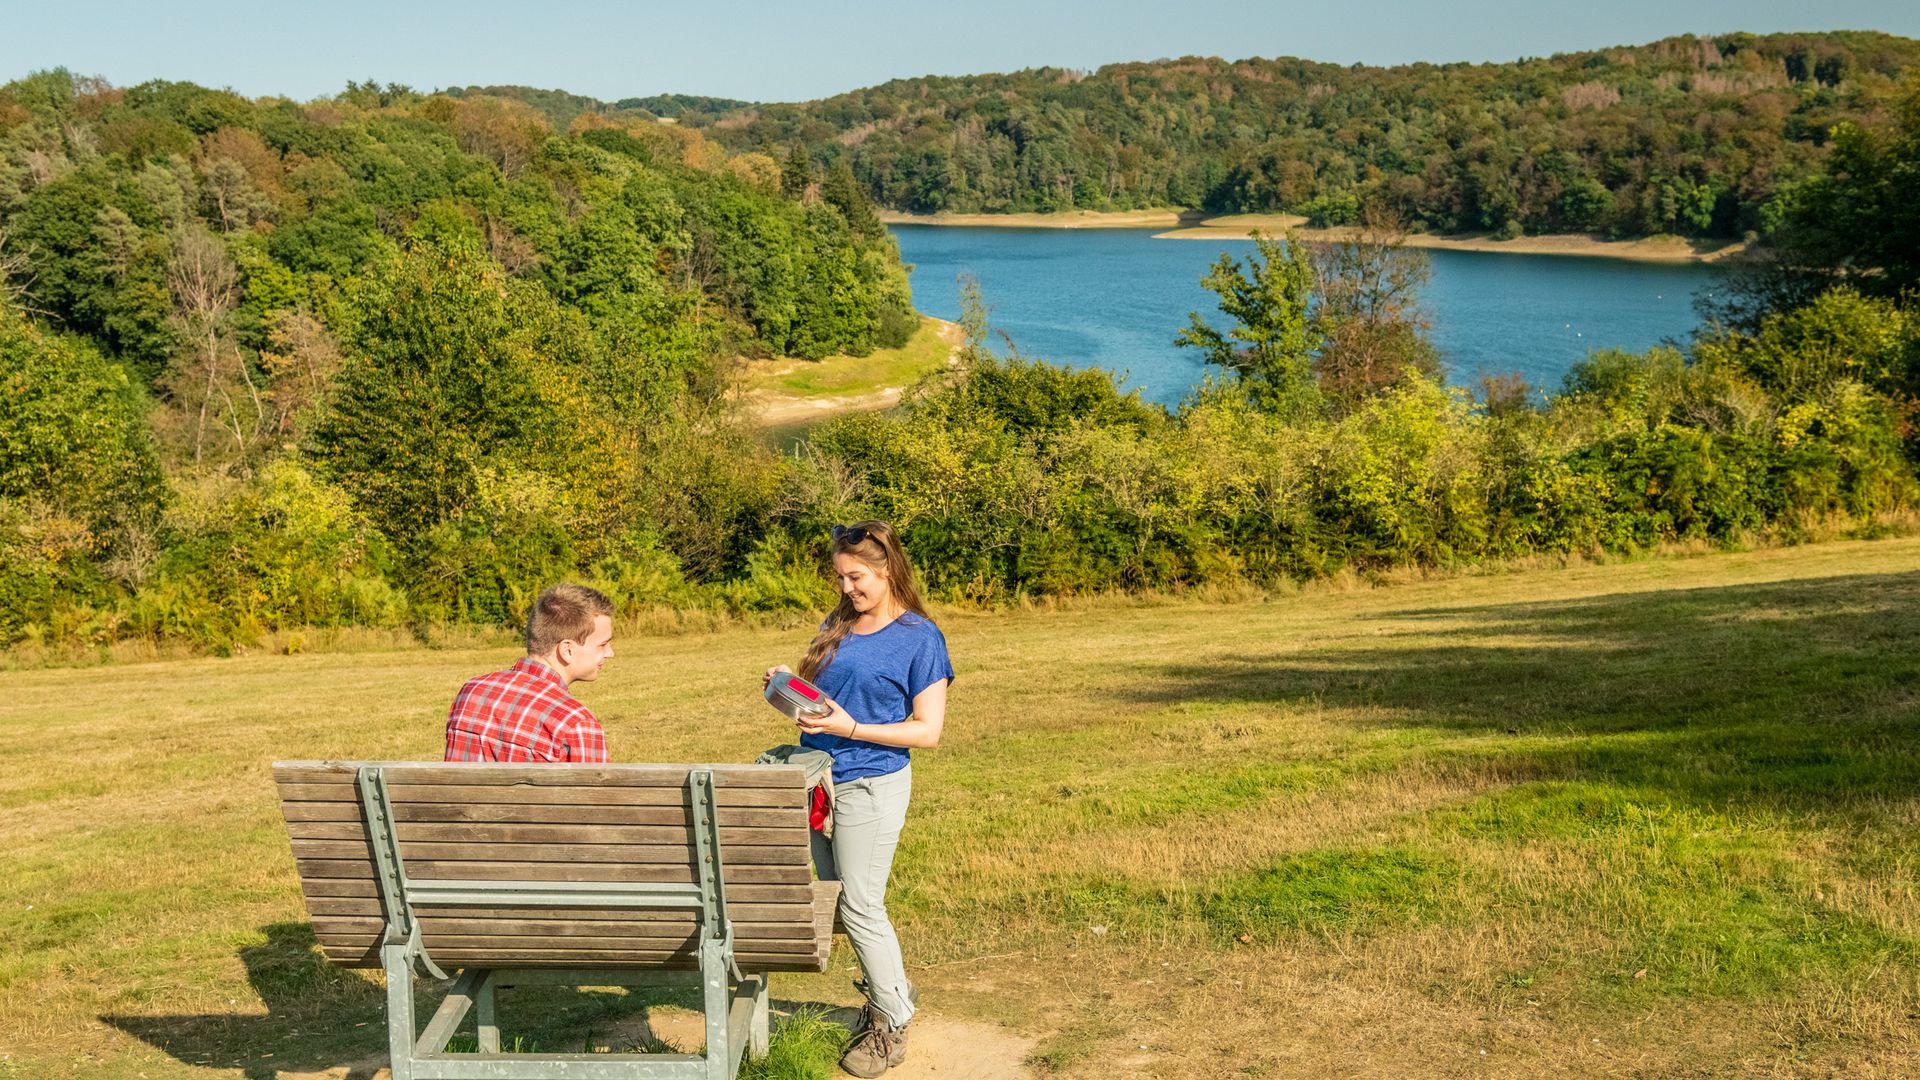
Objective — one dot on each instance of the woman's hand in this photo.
(771, 672)
(838, 722)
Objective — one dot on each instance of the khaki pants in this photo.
(867, 816)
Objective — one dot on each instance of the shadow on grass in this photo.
(1800, 696)
(320, 1017)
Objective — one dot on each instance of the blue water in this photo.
(1114, 298)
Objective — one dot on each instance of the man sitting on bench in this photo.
(525, 713)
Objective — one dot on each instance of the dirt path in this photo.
(775, 410)
(769, 408)
(938, 1048)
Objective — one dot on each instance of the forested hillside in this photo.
(1691, 136)
(385, 354)
(390, 360)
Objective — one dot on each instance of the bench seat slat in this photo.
(321, 907)
(664, 961)
(556, 794)
(495, 833)
(605, 947)
(421, 851)
(545, 795)
(813, 905)
(488, 952)
(591, 930)
(491, 774)
(743, 817)
(676, 873)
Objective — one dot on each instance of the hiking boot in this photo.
(879, 1046)
(860, 1023)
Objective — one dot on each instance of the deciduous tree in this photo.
(1272, 341)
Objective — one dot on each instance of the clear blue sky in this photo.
(797, 50)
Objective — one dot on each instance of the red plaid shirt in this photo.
(522, 714)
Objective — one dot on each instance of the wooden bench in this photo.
(517, 875)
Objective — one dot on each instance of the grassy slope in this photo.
(1651, 818)
(846, 376)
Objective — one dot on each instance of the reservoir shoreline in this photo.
(1194, 225)
(1115, 298)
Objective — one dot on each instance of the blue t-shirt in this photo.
(875, 677)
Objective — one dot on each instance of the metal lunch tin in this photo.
(796, 697)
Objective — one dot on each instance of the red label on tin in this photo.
(803, 690)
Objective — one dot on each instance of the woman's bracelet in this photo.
(854, 732)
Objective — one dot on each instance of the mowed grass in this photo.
(1653, 818)
(836, 376)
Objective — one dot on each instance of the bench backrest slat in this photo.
(486, 822)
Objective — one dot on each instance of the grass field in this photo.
(1654, 818)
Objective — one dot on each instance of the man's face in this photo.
(581, 661)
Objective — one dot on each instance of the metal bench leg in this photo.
(489, 1028)
(399, 1010)
(757, 1030)
(713, 978)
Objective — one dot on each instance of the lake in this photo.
(1114, 298)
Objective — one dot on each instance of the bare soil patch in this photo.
(1647, 249)
(948, 1048)
(1075, 219)
(771, 408)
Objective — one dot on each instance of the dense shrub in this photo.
(52, 588)
(73, 430)
(283, 550)
(80, 485)
(998, 498)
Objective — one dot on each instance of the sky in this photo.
(798, 50)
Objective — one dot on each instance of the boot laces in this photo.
(881, 1033)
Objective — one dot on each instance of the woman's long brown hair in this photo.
(881, 550)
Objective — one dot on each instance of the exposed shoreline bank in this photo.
(1193, 225)
(1071, 219)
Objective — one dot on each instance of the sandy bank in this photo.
(1075, 219)
(1193, 225)
(1648, 249)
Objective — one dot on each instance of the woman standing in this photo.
(884, 664)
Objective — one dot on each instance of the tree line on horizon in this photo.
(399, 360)
(1693, 136)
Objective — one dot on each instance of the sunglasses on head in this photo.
(849, 534)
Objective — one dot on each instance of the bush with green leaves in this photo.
(80, 483)
(283, 550)
(73, 431)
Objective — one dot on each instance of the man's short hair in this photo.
(564, 613)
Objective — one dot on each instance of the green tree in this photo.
(1862, 215)
(1272, 341)
(449, 371)
(796, 173)
(1852, 224)
(74, 439)
(1367, 312)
